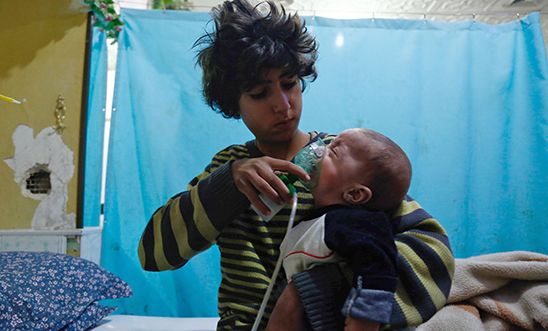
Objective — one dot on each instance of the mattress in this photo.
(153, 323)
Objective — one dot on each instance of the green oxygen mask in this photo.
(309, 158)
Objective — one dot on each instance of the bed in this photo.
(53, 291)
(149, 323)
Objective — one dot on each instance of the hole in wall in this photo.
(39, 180)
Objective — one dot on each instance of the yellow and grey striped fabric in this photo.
(214, 211)
(425, 265)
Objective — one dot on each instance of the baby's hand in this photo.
(355, 324)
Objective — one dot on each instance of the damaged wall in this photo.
(41, 57)
(43, 168)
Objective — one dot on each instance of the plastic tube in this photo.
(277, 268)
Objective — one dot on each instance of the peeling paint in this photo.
(43, 167)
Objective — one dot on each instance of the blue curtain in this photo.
(467, 101)
(95, 125)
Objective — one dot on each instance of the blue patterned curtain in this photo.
(467, 101)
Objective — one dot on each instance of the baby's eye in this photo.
(333, 150)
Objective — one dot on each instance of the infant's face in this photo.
(341, 167)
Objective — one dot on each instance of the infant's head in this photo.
(363, 167)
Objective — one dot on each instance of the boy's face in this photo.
(341, 167)
(272, 109)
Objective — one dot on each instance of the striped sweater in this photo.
(213, 211)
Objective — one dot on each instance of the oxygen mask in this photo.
(309, 158)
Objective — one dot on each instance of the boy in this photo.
(255, 65)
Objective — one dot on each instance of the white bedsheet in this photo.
(151, 323)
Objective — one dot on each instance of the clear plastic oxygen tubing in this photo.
(277, 268)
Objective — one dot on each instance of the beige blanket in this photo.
(501, 291)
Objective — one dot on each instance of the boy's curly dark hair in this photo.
(247, 41)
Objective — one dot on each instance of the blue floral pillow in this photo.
(47, 291)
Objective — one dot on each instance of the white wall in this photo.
(489, 11)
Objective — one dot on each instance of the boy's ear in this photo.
(357, 195)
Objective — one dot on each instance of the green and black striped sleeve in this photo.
(425, 265)
(191, 221)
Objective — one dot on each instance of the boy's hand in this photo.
(288, 314)
(355, 324)
(258, 175)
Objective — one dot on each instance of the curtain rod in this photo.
(380, 14)
(376, 14)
